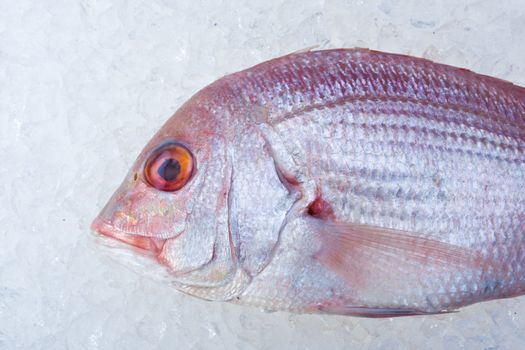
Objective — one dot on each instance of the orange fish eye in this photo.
(169, 168)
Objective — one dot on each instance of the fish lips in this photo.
(149, 244)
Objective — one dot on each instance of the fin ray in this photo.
(369, 254)
(378, 312)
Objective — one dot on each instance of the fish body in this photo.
(341, 181)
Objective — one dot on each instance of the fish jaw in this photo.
(150, 244)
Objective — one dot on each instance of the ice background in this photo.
(86, 83)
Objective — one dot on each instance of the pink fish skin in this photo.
(342, 181)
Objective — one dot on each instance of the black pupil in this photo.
(169, 170)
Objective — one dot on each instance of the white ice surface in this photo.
(84, 85)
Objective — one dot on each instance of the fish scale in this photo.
(459, 146)
(414, 188)
(320, 72)
(341, 181)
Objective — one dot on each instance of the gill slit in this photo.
(298, 206)
(233, 250)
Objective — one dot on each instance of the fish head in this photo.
(172, 205)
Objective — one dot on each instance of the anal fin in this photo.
(377, 312)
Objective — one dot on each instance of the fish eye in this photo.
(169, 168)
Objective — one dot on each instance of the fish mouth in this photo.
(151, 245)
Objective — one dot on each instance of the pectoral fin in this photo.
(360, 252)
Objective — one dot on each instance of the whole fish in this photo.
(342, 181)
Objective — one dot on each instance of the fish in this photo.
(343, 181)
